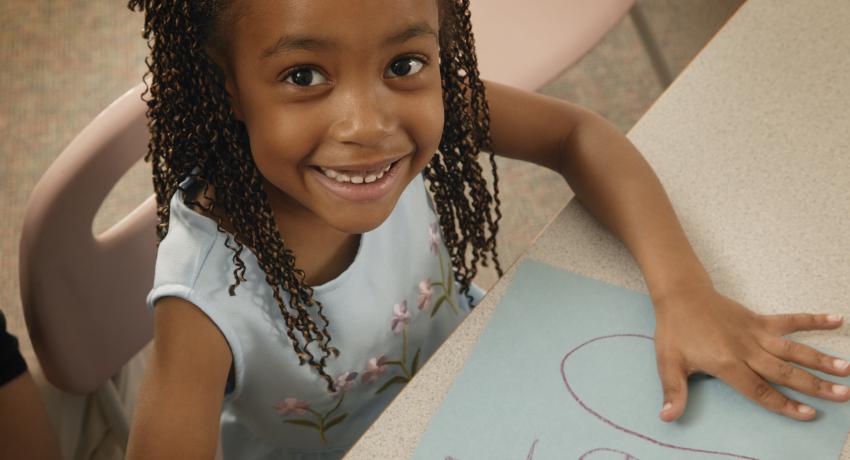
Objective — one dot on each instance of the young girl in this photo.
(305, 273)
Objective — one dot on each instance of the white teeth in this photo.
(355, 179)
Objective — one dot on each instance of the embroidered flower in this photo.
(375, 367)
(425, 293)
(344, 382)
(434, 237)
(291, 405)
(400, 317)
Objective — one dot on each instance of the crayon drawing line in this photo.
(530, 455)
(626, 455)
(620, 427)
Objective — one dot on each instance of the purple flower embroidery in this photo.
(400, 317)
(425, 293)
(434, 237)
(291, 405)
(375, 367)
(344, 382)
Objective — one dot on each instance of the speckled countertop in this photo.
(752, 143)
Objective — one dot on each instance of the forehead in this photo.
(263, 25)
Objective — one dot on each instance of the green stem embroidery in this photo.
(446, 284)
(442, 270)
(402, 364)
(321, 424)
(452, 304)
(338, 402)
(404, 346)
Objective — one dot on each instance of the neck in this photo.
(321, 251)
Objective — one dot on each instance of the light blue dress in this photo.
(380, 314)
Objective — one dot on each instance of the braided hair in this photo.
(195, 134)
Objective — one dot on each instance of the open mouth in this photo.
(362, 185)
(356, 177)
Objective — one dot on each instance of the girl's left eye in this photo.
(408, 65)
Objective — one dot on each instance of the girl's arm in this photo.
(25, 428)
(177, 411)
(697, 329)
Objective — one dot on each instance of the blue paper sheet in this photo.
(566, 370)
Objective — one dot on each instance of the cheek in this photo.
(434, 134)
(429, 124)
(280, 142)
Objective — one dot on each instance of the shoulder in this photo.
(184, 251)
(205, 350)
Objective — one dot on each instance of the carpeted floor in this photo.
(65, 61)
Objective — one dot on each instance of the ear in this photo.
(233, 98)
(229, 82)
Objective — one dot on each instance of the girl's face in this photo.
(342, 102)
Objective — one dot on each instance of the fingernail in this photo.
(840, 390)
(840, 364)
(804, 409)
(666, 407)
(834, 318)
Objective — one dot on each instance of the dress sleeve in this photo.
(183, 255)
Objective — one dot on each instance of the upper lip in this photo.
(378, 164)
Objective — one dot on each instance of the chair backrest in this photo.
(528, 44)
(83, 295)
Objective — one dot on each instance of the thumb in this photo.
(674, 384)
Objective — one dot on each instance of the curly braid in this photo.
(194, 134)
(465, 219)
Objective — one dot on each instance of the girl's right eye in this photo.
(305, 76)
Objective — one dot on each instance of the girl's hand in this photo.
(699, 330)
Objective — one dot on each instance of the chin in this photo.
(356, 220)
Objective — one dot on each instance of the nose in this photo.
(365, 116)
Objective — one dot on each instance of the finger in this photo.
(674, 384)
(805, 355)
(793, 322)
(756, 389)
(786, 374)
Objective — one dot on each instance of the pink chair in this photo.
(528, 44)
(84, 295)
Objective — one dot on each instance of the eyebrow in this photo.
(289, 43)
